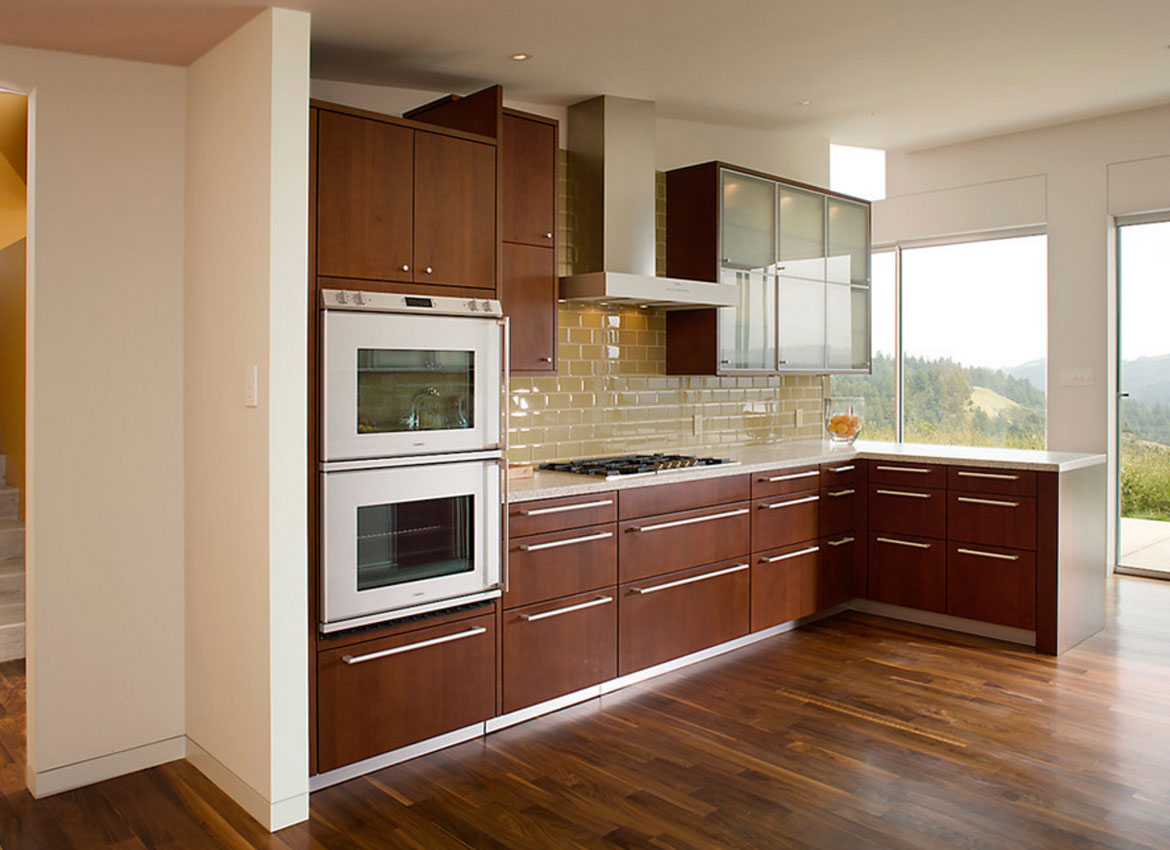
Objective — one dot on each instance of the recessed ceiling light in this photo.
(871, 114)
(806, 103)
(1013, 82)
(520, 57)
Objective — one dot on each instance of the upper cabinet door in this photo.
(747, 331)
(802, 233)
(454, 211)
(802, 324)
(748, 234)
(365, 173)
(848, 256)
(847, 326)
(528, 294)
(529, 196)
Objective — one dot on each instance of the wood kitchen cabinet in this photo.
(528, 296)
(785, 584)
(907, 571)
(400, 205)
(799, 256)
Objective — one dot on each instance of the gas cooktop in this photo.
(627, 465)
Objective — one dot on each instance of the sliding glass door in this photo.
(1143, 410)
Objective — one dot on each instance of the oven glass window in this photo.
(411, 541)
(414, 390)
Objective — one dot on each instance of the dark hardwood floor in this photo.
(855, 732)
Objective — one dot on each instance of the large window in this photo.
(971, 320)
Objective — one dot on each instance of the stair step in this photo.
(11, 581)
(12, 641)
(12, 614)
(3, 466)
(9, 501)
(11, 538)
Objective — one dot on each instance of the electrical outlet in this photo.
(1076, 377)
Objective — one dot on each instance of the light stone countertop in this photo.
(548, 485)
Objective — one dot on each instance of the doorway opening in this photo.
(1143, 398)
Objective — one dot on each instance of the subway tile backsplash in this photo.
(611, 394)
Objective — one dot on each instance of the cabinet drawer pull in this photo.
(691, 521)
(536, 547)
(405, 268)
(999, 503)
(902, 493)
(775, 505)
(848, 468)
(996, 555)
(788, 555)
(841, 493)
(998, 476)
(562, 508)
(915, 469)
(358, 659)
(840, 542)
(791, 477)
(909, 543)
(683, 581)
(532, 618)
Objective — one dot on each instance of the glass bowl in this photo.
(844, 418)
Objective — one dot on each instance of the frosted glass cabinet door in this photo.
(847, 326)
(747, 332)
(802, 233)
(848, 255)
(749, 222)
(802, 324)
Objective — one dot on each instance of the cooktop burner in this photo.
(626, 465)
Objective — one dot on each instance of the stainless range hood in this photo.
(611, 146)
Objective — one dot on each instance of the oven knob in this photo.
(473, 305)
(487, 306)
(358, 298)
(341, 296)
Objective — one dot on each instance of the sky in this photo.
(1144, 271)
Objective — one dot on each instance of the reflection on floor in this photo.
(1145, 543)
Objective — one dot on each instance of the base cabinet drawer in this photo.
(780, 481)
(838, 509)
(837, 570)
(670, 542)
(555, 648)
(1007, 482)
(384, 694)
(547, 566)
(784, 520)
(673, 615)
(909, 571)
(992, 584)
(995, 520)
(546, 515)
(908, 510)
(902, 474)
(785, 585)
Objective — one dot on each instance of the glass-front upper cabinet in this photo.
(802, 324)
(802, 233)
(748, 236)
(848, 254)
(847, 318)
(747, 331)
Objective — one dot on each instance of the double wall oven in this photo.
(413, 476)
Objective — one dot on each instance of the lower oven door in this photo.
(402, 537)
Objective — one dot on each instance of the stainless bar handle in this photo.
(841, 493)
(536, 547)
(788, 555)
(506, 401)
(410, 647)
(532, 618)
(690, 521)
(996, 555)
(917, 469)
(999, 503)
(902, 493)
(683, 581)
(505, 527)
(775, 505)
(909, 543)
(562, 508)
(849, 468)
(996, 475)
(793, 476)
(840, 542)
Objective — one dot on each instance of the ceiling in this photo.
(898, 74)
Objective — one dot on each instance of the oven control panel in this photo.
(389, 302)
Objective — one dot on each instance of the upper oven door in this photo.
(400, 384)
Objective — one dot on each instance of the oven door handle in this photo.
(505, 543)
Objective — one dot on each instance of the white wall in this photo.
(1092, 170)
(105, 414)
(246, 523)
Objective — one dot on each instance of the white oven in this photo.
(410, 538)
(410, 375)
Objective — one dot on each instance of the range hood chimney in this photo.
(611, 145)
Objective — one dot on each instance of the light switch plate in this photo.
(1076, 377)
(252, 387)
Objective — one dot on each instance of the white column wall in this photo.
(104, 405)
(246, 500)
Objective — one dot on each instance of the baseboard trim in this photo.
(55, 780)
(945, 621)
(411, 751)
(271, 815)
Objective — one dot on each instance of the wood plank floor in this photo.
(855, 732)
